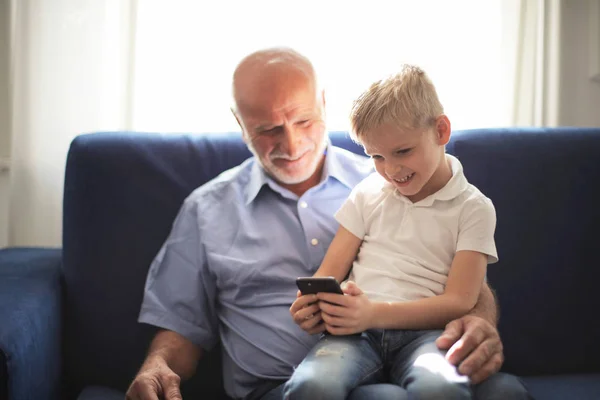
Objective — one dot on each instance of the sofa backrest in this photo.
(545, 185)
(123, 190)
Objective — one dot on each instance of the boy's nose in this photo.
(392, 169)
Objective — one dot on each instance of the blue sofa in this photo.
(68, 317)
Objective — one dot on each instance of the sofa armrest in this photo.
(30, 323)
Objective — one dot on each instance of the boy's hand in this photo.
(345, 314)
(474, 346)
(306, 313)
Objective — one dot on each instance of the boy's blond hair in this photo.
(407, 100)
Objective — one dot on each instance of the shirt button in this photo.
(303, 204)
(314, 242)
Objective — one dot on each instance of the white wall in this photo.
(580, 41)
(70, 77)
(4, 119)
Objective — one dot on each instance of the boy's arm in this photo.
(460, 296)
(340, 255)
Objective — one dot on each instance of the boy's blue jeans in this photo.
(409, 359)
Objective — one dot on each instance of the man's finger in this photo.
(451, 334)
(480, 356)
(141, 391)
(490, 367)
(465, 345)
(170, 386)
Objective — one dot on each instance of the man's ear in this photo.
(443, 129)
(237, 118)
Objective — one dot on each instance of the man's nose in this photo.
(292, 141)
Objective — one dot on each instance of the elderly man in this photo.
(227, 271)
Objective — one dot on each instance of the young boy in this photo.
(417, 238)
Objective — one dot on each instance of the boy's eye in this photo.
(403, 151)
(376, 157)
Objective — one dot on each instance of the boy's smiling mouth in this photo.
(404, 181)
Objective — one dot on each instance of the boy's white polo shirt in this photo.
(408, 248)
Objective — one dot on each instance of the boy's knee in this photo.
(316, 388)
(435, 389)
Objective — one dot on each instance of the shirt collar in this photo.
(258, 178)
(331, 168)
(456, 185)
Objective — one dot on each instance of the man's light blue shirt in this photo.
(227, 271)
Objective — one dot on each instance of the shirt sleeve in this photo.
(476, 228)
(350, 215)
(180, 294)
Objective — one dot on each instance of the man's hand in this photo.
(346, 314)
(155, 381)
(306, 313)
(474, 346)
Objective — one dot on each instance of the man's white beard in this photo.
(281, 176)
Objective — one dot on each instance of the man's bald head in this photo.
(266, 72)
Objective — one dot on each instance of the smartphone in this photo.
(313, 285)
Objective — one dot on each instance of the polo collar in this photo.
(456, 185)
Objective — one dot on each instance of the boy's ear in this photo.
(443, 129)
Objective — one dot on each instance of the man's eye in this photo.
(270, 130)
(304, 122)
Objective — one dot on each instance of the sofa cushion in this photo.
(553, 387)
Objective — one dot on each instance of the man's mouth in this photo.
(288, 159)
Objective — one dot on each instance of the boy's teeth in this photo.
(404, 179)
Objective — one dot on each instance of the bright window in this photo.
(186, 51)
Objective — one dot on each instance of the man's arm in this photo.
(180, 355)
(487, 305)
(171, 359)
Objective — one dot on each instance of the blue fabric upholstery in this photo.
(100, 393)
(561, 387)
(30, 328)
(122, 191)
(544, 184)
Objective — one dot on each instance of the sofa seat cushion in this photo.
(100, 393)
(560, 387)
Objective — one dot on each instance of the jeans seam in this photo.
(369, 374)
